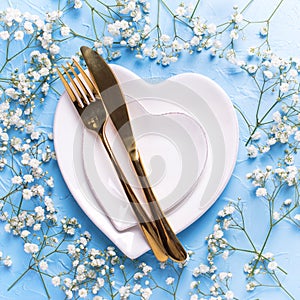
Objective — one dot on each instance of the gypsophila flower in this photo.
(124, 292)
(17, 180)
(25, 233)
(234, 34)
(54, 49)
(7, 261)
(229, 295)
(272, 265)
(264, 30)
(165, 38)
(251, 286)
(247, 268)
(82, 293)
(77, 4)
(37, 227)
(297, 136)
(4, 35)
(287, 202)
(147, 269)
(225, 255)
(289, 159)
(284, 87)
(146, 293)
(19, 35)
(256, 136)
(223, 275)
(28, 178)
(28, 27)
(56, 280)
(252, 151)
(69, 294)
(218, 234)
(268, 255)
(277, 117)
(252, 69)
(297, 217)
(268, 74)
(170, 280)
(251, 51)
(211, 28)
(7, 228)
(180, 11)
(65, 30)
(195, 41)
(202, 269)
(261, 192)
(43, 265)
(237, 17)
(194, 284)
(31, 248)
(108, 41)
(276, 215)
(27, 194)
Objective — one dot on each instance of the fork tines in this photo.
(82, 88)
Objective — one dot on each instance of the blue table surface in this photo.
(284, 243)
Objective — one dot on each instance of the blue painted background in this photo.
(285, 41)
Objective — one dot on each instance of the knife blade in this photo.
(115, 104)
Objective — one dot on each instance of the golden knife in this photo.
(115, 104)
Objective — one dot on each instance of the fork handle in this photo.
(147, 226)
(169, 239)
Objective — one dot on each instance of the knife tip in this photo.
(84, 49)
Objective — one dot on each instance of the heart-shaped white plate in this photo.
(190, 94)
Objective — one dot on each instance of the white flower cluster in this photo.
(259, 178)
(98, 267)
(70, 225)
(130, 30)
(5, 260)
(289, 175)
(25, 222)
(23, 89)
(284, 128)
(219, 288)
(217, 245)
(93, 269)
(32, 25)
(259, 265)
(282, 131)
(134, 29)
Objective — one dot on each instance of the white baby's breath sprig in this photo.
(5, 260)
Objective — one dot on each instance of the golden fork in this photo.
(87, 100)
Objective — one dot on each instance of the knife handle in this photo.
(169, 239)
(147, 226)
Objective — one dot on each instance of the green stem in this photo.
(277, 7)
(194, 11)
(44, 284)
(282, 287)
(19, 278)
(247, 5)
(261, 251)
